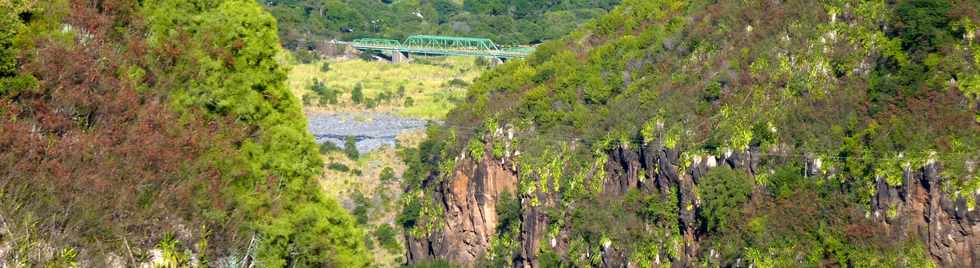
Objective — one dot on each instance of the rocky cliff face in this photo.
(469, 200)
(918, 209)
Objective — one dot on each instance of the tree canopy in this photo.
(303, 23)
(159, 124)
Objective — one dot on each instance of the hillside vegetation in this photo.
(305, 23)
(802, 111)
(157, 132)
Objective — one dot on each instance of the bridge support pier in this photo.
(398, 57)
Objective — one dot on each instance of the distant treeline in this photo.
(305, 23)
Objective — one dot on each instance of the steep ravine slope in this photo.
(731, 133)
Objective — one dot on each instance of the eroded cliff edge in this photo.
(468, 201)
(917, 210)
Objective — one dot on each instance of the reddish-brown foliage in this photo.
(94, 158)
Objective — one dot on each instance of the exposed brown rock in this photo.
(469, 200)
(922, 210)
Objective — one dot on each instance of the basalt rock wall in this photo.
(919, 208)
(469, 200)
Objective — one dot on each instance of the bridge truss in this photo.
(441, 46)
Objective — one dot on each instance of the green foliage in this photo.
(799, 230)
(338, 167)
(328, 236)
(856, 83)
(306, 24)
(475, 148)
(409, 216)
(499, 151)
(386, 235)
(421, 215)
(456, 82)
(362, 205)
(508, 209)
(432, 264)
(183, 114)
(892, 169)
(357, 94)
(232, 46)
(308, 99)
(326, 95)
(786, 181)
(924, 24)
(172, 255)
(387, 175)
(328, 147)
(12, 82)
(661, 211)
(10, 25)
(505, 242)
(350, 148)
(723, 192)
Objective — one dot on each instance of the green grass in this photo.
(426, 81)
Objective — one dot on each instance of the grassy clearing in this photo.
(433, 84)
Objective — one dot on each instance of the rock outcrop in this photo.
(917, 208)
(469, 200)
(920, 208)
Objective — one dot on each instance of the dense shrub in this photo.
(350, 148)
(409, 215)
(724, 191)
(328, 147)
(338, 167)
(456, 82)
(326, 95)
(362, 206)
(387, 175)
(508, 212)
(357, 94)
(787, 180)
(387, 236)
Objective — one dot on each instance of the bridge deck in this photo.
(441, 45)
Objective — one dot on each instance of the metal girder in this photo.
(442, 45)
(447, 42)
(376, 42)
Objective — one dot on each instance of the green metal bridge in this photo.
(440, 46)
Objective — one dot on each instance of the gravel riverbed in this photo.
(370, 130)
